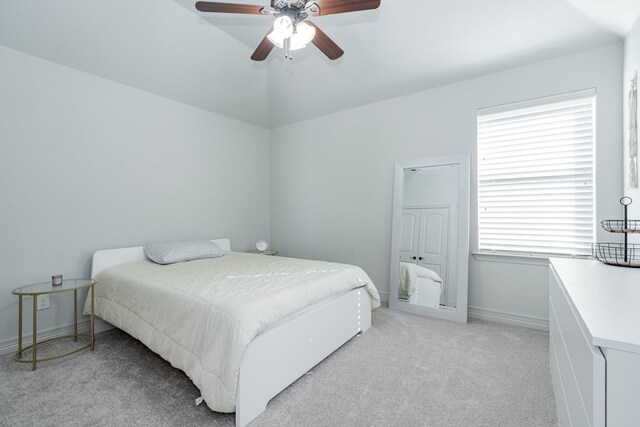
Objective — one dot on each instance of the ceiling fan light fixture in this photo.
(301, 38)
(276, 39)
(304, 33)
(289, 33)
(294, 43)
(283, 27)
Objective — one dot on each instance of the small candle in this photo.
(56, 280)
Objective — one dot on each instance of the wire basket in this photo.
(615, 254)
(619, 226)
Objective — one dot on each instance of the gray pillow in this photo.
(172, 252)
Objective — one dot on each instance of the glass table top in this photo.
(48, 288)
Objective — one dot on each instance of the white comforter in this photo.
(201, 315)
(409, 274)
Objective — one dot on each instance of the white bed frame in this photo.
(428, 293)
(287, 350)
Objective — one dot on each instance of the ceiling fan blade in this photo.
(325, 44)
(331, 7)
(208, 6)
(263, 50)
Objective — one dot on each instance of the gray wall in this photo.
(88, 164)
(332, 176)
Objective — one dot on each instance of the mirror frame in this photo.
(459, 313)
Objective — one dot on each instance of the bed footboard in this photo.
(281, 355)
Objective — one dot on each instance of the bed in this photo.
(243, 327)
(419, 285)
(427, 293)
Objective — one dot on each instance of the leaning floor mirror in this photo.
(430, 237)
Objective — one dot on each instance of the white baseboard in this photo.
(11, 345)
(509, 318)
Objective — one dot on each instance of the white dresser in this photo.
(594, 322)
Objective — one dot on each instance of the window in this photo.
(536, 176)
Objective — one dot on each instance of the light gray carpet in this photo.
(405, 371)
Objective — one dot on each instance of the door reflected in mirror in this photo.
(429, 213)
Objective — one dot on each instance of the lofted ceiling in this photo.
(154, 45)
(615, 15)
(168, 48)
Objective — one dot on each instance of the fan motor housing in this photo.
(295, 14)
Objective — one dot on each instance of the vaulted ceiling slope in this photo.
(168, 48)
(154, 45)
(407, 46)
(615, 15)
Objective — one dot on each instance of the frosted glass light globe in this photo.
(302, 37)
(283, 27)
(304, 34)
(276, 39)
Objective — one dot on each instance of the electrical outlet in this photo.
(43, 302)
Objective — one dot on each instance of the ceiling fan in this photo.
(289, 32)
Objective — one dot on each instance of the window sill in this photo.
(517, 258)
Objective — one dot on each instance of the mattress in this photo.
(201, 315)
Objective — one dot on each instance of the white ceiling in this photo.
(399, 49)
(154, 45)
(168, 48)
(616, 15)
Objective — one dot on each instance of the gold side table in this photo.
(47, 288)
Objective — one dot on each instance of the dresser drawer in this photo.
(569, 403)
(581, 365)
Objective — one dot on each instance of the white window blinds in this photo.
(536, 176)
